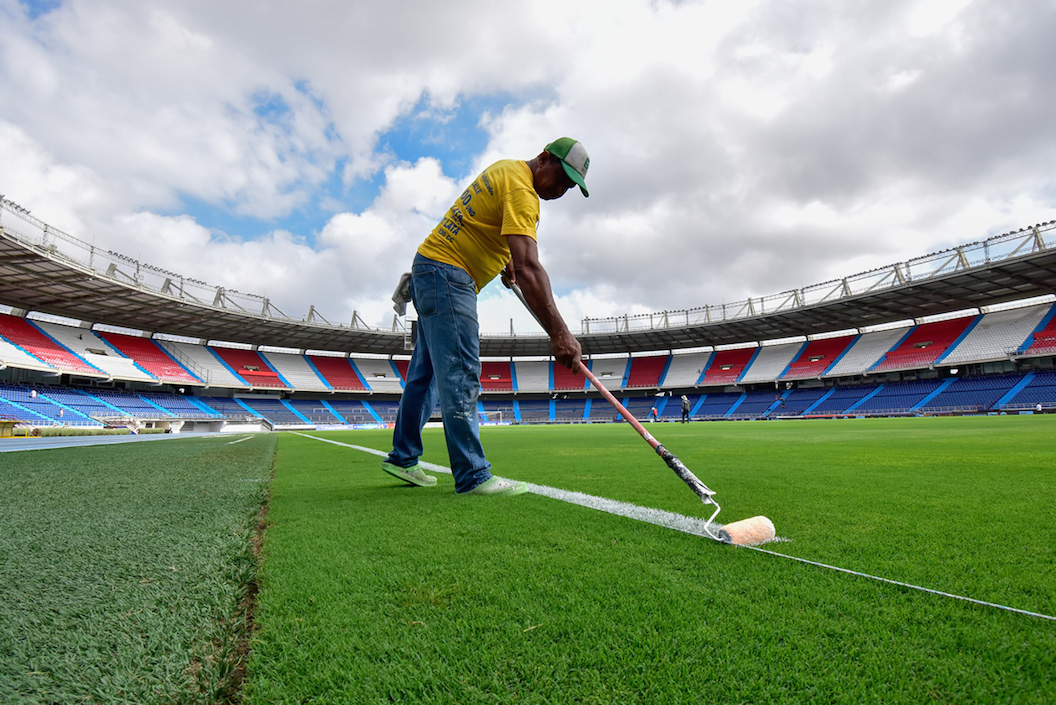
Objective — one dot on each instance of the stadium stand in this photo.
(14, 411)
(385, 410)
(213, 372)
(1037, 388)
(337, 373)
(837, 400)
(771, 361)
(565, 381)
(796, 401)
(150, 356)
(997, 336)
(573, 410)
(13, 356)
(925, 344)
(817, 357)
(353, 411)
(497, 411)
(496, 376)
(315, 411)
(532, 375)
(229, 407)
(1043, 340)
(647, 372)
(277, 411)
(685, 370)
(672, 411)
(250, 366)
(178, 406)
(296, 371)
(610, 371)
(34, 406)
(865, 352)
(728, 365)
(380, 375)
(717, 405)
(985, 346)
(30, 338)
(68, 406)
(895, 398)
(127, 404)
(756, 404)
(638, 406)
(534, 411)
(970, 394)
(86, 345)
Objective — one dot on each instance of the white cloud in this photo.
(737, 148)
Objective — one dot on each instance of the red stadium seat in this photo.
(27, 336)
(728, 365)
(250, 366)
(338, 372)
(646, 372)
(925, 343)
(150, 356)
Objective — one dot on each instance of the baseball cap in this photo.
(574, 159)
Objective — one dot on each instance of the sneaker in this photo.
(499, 486)
(412, 475)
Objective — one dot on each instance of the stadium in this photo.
(94, 339)
(231, 563)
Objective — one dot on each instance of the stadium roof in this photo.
(47, 271)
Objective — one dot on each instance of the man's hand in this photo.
(508, 275)
(567, 351)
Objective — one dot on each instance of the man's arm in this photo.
(528, 273)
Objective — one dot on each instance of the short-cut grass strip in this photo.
(125, 569)
(690, 525)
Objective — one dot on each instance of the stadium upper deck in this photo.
(43, 269)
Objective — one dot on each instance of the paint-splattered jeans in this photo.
(445, 365)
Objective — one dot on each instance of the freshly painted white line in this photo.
(689, 525)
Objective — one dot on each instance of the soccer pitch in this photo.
(373, 592)
(123, 569)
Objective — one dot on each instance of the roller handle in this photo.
(680, 469)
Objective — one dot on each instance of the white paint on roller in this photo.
(748, 532)
(691, 525)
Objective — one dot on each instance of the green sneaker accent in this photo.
(412, 475)
(500, 486)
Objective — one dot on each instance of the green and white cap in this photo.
(574, 158)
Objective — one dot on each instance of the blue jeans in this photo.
(445, 365)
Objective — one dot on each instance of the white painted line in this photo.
(689, 525)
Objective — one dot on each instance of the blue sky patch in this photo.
(453, 136)
(37, 8)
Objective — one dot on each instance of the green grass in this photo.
(375, 592)
(124, 570)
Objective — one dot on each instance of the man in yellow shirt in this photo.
(491, 228)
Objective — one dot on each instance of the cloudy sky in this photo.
(302, 150)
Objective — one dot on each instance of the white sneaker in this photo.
(412, 475)
(499, 486)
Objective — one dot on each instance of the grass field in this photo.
(124, 570)
(375, 592)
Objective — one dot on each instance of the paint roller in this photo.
(747, 532)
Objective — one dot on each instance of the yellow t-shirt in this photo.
(472, 235)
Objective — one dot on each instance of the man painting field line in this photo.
(491, 228)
